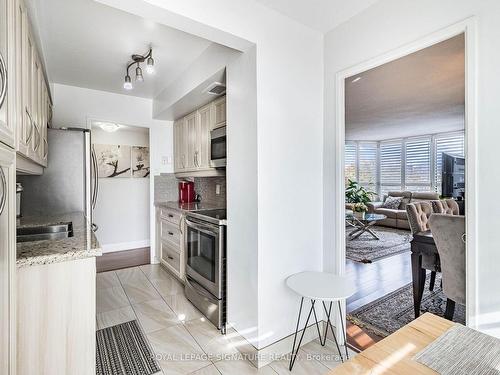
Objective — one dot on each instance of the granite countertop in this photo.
(83, 244)
(194, 206)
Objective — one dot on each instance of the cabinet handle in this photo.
(46, 148)
(37, 146)
(171, 233)
(170, 215)
(170, 257)
(31, 126)
(4, 190)
(3, 76)
(196, 159)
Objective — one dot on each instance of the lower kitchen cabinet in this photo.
(170, 240)
(56, 318)
(7, 259)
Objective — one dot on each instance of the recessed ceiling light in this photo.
(356, 79)
(109, 127)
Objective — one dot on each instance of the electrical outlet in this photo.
(217, 189)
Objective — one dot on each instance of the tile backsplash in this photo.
(206, 188)
(166, 189)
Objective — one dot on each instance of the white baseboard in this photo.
(279, 349)
(112, 247)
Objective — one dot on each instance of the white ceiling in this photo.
(322, 15)
(88, 44)
(422, 93)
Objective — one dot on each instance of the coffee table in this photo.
(364, 225)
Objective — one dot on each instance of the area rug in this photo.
(391, 312)
(124, 350)
(367, 249)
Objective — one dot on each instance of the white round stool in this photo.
(324, 287)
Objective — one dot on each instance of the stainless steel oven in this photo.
(206, 263)
(218, 147)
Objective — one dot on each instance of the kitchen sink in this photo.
(45, 232)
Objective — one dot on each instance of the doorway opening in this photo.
(406, 155)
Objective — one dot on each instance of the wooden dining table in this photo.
(394, 354)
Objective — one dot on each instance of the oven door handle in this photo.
(202, 227)
(194, 284)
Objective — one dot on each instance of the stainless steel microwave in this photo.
(218, 147)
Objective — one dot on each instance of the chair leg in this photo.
(450, 309)
(433, 281)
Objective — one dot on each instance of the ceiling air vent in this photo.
(216, 88)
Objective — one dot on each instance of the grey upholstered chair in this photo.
(448, 232)
(418, 217)
(445, 206)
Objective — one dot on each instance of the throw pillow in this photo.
(392, 202)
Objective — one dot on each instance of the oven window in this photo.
(218, 148)
(201, 253)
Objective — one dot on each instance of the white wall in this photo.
(122, 209)
(390, 24)
(283, 226)
(74, 106)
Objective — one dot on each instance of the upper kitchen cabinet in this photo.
(219, 107)
(192, 140)
(31, 113)
(205, 118)
(180, 146)
(7, 133)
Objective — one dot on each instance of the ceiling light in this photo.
(138, 59)
(356, 79)
(127, 85)
(109, 127)
(150, 69)
(138, 74)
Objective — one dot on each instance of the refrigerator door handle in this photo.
(96, 180)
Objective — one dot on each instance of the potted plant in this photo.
(360, 210)
(358, 196)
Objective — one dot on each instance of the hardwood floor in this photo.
(374, 280)
(123, 259)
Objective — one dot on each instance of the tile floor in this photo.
(184, 342)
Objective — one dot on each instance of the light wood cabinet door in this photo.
(26, 82)
(7, 133)
(22, 125)
(180, 146)
(7, 259)
(219, 107)
(190, 134)
(204, 123)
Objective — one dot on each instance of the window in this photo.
(418, 164)
(452, 144)
(351, 161)
(390, 165)
(367, 173)
(401, 164)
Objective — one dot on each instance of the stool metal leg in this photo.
(329, 324)
(296, 332)
(327, 319)
(295, 350)
(343, 330)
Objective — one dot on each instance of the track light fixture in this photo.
(138, 59)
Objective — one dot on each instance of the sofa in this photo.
(397, 218)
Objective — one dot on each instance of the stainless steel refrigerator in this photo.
(69, 183)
